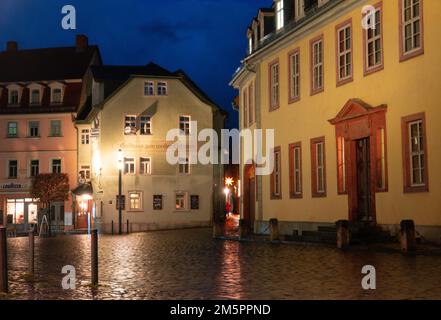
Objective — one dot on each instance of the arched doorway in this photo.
(249, 196)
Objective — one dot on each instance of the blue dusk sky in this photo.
(206, 38)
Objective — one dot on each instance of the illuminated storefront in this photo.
(22, 211)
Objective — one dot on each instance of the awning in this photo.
(83, 189)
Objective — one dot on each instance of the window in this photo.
(411, 29)
(184, 166)
(13, 97)
(251, 103)
(56, 95)
(318, 167)
(194, 202)
(295, 170)
(381, 160)
(12, 129)
(135, 201)
(276, 177)
(341, 165)
(34, 168)
(415, 154)
(157, 202)
(35, 96)
(145, 166)
(85, 136)
(130, 124)
(12, 169)
(162, 88)
(129, 166)
(56, 165)
(34, 129)
(250, 44)
(245, 108)
(373, 43)
(184, 124)
(274, 85)
(146, 125)
(181, 201)
(280, 14)
(55, 128)
(294, 76)
(317, 65)
(344, 52)
(84, 173)
(149, 88)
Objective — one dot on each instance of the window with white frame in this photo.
(12, 129)
(34, 129)
(85, 136)
(84, 173)
(56, 95)
(184, 124)
(149, 88)
(145, 165)
(146, 125)
(129, 166)
(280, 16)
(417, 153)
(135, 200)
(412, 25)
(297, 171)
(12, 169)
(294, 71)
(344, 52)
(34, 168)
(130, 124)
(162, 88)
(274, 85)
(317, 65)
(56, 165)
(13, 97)
(181, 201)
(35, 96)
(184, 166)
(55, 130)
(277, 189)
(373, 43)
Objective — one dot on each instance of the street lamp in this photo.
(120, 167)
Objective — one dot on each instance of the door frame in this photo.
(358, 120)
(248, 216)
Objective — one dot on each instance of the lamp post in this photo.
(120, 167)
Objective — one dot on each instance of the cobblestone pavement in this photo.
(189, 264)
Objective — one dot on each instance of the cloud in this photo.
(168, 31)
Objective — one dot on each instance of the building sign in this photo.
(194, 202)
(121, 203)
(12, 186)
(157, 202)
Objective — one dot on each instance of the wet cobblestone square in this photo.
(189, 264)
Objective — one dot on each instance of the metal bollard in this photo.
(112, 227)
(274, 230)
(3, 261)
(128, 226)
(94, 256)
(31, 251)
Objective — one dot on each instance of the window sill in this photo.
(411, 54)
(136, 211)
(12, 137)
(342, 82)
(319, 195)
(33, 137)
(316, 91)
(422, 189)
(296, 196)
(55, 136)
(274, 197)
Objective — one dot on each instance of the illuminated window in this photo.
(12, 129)
(341, 165)
(130, 124)
(145, 166)
(280, 16)
(85, 136)
(162, 88)
(135, 200)
(85, 172)
(184, 166)
(146, 125)
(184, 124)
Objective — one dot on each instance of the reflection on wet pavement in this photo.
(189, 264)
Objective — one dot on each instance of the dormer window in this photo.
(13, 97)
(250, 45)
(280, 16)
(56, 96)
(35, 96)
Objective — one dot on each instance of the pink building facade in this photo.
(41, 91)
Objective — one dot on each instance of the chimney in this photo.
(82, 43)
(11, 46)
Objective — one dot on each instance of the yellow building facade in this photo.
(351, 90)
